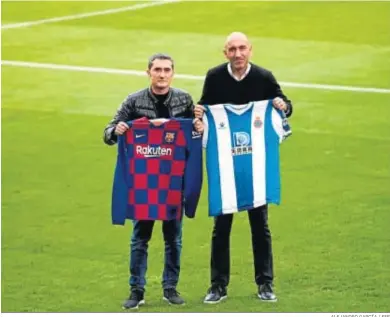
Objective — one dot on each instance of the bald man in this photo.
(238, 82)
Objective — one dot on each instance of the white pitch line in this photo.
(323, 132)
(86, 15)
(180, 76)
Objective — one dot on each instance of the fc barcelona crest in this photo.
(169, 137)
(257, 123)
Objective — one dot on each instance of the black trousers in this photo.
(261, 244)
(142, 233)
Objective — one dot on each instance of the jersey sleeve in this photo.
(120, 184)
(280, 124)
(193, 173)
(205, 131)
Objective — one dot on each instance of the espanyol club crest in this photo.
(257, 123)
(169, 137)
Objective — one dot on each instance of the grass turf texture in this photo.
(330, 235)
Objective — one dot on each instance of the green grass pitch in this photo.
(331, 235)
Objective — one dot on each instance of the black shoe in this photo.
(172, 296)
(266, 293)
(215, 294)
(135, 299)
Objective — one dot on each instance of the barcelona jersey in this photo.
(158, 171)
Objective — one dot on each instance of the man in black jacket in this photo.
(239, 82)
(157, 101)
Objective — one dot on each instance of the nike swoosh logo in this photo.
(139, 135)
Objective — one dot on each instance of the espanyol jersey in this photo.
(242, 155)
(159, 169)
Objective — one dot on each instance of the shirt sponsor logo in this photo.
(242, 143)
(153, 151)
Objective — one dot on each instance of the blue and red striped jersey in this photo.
(158, 171)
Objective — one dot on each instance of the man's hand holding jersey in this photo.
(198, 125)
(121, 128)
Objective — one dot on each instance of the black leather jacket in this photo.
(143, 104)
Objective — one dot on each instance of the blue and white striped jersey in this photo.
(242, 155)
